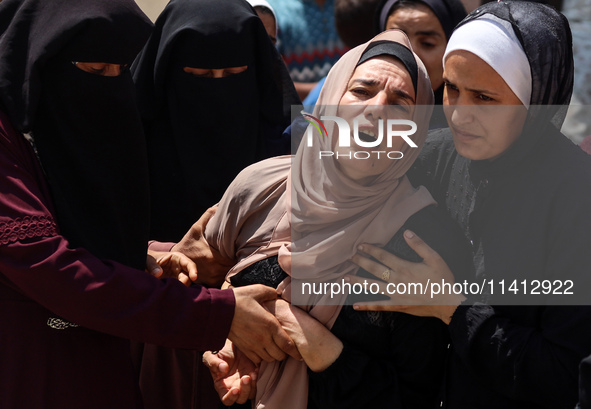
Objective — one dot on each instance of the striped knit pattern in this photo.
(308, 38)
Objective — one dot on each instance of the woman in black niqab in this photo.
(202, 131)
(86, 127)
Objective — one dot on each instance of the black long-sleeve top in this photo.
(528, 219)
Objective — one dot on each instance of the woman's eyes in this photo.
(102, 69)
(99, 71)
(401, 107)
(450, 87)
(215, 72)
(485, 98)
(359, 92)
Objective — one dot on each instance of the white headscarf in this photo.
(494, 41)
(265, 4)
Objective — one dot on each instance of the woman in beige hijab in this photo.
(294, 223)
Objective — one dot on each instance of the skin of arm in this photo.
(211, 265)
(318, 346)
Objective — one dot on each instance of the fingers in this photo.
(178, 265)
(153, 267)
(257, 356)
(287, 345)
(281, 339)
(255, 331)
(385, 305)
(253, 385)
(215, 364)
(385, 258)
(380, 271)
(370, 282)
(188, 266)
(274, 352)
(239, 394)
(420, 247)
(262, 293)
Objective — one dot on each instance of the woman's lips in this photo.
(463, 135)
(367, 136)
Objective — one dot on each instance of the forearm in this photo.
(112, 298)
(318, 346)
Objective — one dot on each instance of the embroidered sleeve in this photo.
(26, 227)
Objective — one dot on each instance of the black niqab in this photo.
(202, 131)
(86, 127)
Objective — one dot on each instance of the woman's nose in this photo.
(460, 114)
(376, 106)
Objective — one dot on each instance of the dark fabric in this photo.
(527, 224)
(86, 127)
(65, 314)
(526, 213)
(438, 120)
(394, 360)
(202, 131)
(395, 50)
(449, 13)
(389, 360)
(585, 384)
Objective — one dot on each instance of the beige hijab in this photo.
(313, 217)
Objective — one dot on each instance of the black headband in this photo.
(396, 50)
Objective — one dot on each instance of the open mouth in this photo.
(367, 136)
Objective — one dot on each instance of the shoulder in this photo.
(255, 190)
(564, 171)
(434, 163)
(438, 150)
(259, 177)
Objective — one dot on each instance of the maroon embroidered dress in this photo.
(65, 315)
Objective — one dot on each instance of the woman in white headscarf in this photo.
(522, 192)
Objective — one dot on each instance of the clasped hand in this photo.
(393, 273)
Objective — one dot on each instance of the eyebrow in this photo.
(474, 90)
(373, 83)
(428, 33)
